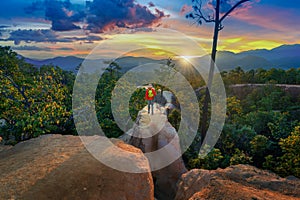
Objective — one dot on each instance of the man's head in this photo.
(149, 86)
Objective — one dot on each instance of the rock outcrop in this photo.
(242, 90)
(235, 183)
(59, 167)
(159, 133)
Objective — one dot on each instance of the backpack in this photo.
(150, 93)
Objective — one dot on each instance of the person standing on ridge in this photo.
(149, 96)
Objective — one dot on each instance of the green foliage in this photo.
(234, 108)
(137, 102)
(235, 137)
(212, 161)
(279, 76)
(290, 160)
(174, 118)
(259, 145)
(33, 102)
(260, 128)
(267, 98)
(103, 103)
(38, 101)
(272, 124)
(239, 157)
(104, 92)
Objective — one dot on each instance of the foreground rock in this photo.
(59, 167)
(240, 182)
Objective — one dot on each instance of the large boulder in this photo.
(235, 183)
(59, 167)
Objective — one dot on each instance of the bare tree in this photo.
(217, 18)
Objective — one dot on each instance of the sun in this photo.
(185, 60)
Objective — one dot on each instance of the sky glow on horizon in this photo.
(63, 28)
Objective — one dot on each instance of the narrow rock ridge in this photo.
(151, 133)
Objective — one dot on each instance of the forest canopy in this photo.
(261, 129)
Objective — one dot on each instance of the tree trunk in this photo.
(204, 120)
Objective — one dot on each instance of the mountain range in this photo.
(285, 57)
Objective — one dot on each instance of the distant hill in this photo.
(130, 62)
(285, 57)
(68, 63)
(284, 51)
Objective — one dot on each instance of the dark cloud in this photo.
(100, 15)
(33, 36)
(65, 49)
(110, 14)
(4, 26)
(35, 48)
(92, 38)
(49, 36)
(62, 14)
(30, 48)
(144, 29)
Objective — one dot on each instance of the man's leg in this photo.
(152, 107)
(149, 102)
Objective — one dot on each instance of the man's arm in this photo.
(154, 92)
(146, 94)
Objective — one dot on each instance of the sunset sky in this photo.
(48, 28)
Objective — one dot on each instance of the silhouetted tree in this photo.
(198, 15)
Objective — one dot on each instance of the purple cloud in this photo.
(35, 48)
(31, 48)
(33, 36)
(62, 14)
(107, 15)
(99, 15)
(49, 36)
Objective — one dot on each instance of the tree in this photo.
(113, 68)
(32, 102)
(213, 160)
(291, 158)
(289, 162)
(259, 146)
(217, 19)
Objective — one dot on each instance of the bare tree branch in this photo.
(199, 15)
(232, 9)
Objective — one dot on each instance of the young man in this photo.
(149, 96)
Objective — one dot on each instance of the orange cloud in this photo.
(269, 18)
(185, 9)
